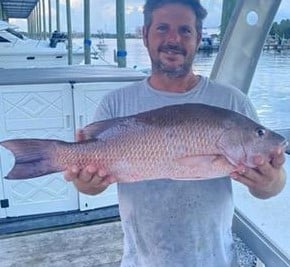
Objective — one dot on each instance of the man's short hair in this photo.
(199, 11)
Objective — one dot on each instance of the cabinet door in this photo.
(86, 99)
(36, 111)
(2, 197)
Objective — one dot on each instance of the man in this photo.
(170, 223)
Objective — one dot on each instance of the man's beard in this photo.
(179, 71)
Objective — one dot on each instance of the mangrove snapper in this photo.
(189, 141)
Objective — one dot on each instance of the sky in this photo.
(103, 16)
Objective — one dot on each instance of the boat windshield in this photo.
(15, 33)
(4, 40)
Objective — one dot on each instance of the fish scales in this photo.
(189, 141)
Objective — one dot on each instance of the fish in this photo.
(186, 141)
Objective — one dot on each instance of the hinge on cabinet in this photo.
(4, 203)
(72, 84)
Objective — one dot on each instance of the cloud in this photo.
(103, 14)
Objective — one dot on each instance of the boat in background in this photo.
(276, 42)
(102, 46)
(209, 42)
(19, 51)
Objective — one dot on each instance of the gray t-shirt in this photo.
(170, 223)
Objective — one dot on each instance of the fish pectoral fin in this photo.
(205, 166)
(201, 161)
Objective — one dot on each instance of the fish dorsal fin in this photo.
(93, 130)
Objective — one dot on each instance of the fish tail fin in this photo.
(33, 157)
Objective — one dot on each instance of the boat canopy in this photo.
(18, 9)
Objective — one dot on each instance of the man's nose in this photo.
(173, 36)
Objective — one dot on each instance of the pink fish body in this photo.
(189, 141)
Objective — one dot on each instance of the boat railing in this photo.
(268, 253)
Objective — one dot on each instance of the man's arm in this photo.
(89, 180)
(267, 179)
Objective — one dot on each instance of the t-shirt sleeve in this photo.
(103, 111)
(250, 110)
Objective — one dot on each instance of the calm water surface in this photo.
(270, 89)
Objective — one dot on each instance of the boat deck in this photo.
(97, 245)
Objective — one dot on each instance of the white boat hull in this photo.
(19, 51)
(31, 60)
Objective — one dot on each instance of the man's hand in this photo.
(267, 179)
(89, 180)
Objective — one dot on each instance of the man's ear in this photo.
(198, 40)
(145, 36)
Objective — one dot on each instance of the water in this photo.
(269, 91)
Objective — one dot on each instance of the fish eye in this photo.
(261, 132)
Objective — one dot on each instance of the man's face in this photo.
(172, 40)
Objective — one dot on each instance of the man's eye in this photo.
(186, 31)
(161, 28)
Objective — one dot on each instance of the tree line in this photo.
(281, 29)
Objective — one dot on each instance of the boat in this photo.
(19, 51)
(208, 42)
(101, 45)
(276, 42)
